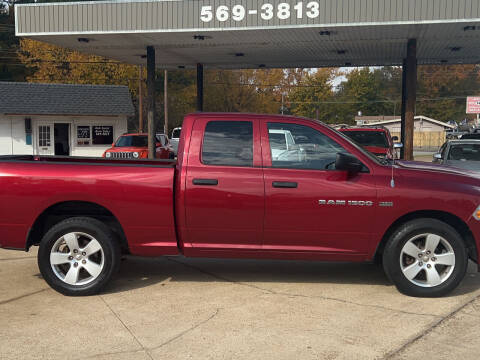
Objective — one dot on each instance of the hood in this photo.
(436, 168)
(127, 149)
(465, 165)
(376, 149)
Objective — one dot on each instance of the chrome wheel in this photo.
(77, 258)
(427, 260)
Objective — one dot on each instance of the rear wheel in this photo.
(426, 258)
(78, 256)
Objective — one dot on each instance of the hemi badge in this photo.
(385, 204)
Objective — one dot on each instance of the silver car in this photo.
(464, 154)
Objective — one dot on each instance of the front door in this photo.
(45, 139)
(224, 198)
(61, 139)
(310, 207)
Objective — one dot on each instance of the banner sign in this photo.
(473, 105)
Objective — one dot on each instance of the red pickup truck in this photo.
(244, 186)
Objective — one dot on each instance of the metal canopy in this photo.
(342, 32)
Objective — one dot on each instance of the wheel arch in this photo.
(448, 218)
(66, 209)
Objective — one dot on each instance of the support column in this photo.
(409, 88)
(151, 101)
(402, 109)
(165, 102)
(140, 99)
(199, 87)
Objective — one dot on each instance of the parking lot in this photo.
(177, 308)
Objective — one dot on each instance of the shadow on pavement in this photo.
(142, 272)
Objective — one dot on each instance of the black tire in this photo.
(94, 228)
(408, 231)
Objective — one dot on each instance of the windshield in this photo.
(368, 138)
(132, 141)
(162, 139)
(176, 133)
(470, 136)
(464, 152)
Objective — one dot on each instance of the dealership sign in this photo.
(473, 105)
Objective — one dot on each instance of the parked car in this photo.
(377, 140)
(226, 197)
(165, 148)
(135, 146)
(175, 138)
(464, 154)
(470, 136)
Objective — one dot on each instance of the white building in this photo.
(61, 119)
(421, 124)
(429, 134)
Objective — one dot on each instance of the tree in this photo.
(442, 90)
(314, 93)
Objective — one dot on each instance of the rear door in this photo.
(224, 198)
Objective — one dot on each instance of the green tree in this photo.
(314, 93)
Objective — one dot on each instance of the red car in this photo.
(135, 146)
(241, 190)
(377, 140)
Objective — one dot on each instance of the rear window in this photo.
(228, 143)
(176, 133)
(132, 141)
(368, 138)
(464, 152)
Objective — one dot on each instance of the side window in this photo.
(228, 143)
(301, 147)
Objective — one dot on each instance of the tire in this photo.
(86, 269)
(417, 275)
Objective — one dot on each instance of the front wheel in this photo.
(78, 256)
(425, 258)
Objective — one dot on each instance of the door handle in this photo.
(284, 184)
(207, 182)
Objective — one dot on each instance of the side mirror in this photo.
(395, 138)
(349, 163)
(397, 145)
(437, 156)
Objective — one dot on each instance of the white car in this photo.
(175, 138)
(283, 146)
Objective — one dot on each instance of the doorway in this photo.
(62, 139)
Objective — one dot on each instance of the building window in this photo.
(94, 135)
(44, 136)
(83, 135)
(102, 135)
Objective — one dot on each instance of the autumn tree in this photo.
(314, 93)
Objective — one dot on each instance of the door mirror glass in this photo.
(349, 163)
(397, 145)
(437, 156)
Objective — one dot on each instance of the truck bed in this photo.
(137, 193)
(85, 160)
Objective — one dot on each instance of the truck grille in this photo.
(122, 155)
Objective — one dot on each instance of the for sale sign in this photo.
(473, 105)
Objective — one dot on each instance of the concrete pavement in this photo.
(177, 308)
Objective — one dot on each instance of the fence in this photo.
(426, 140)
